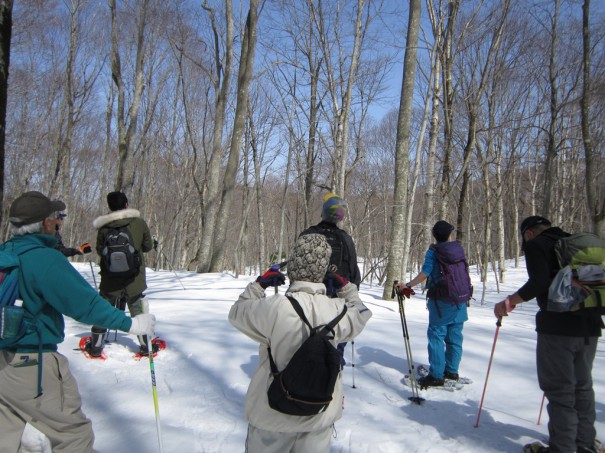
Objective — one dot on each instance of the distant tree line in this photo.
(225, 122)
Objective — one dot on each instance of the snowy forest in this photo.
(225, 122)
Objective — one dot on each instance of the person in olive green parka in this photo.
(122, 291)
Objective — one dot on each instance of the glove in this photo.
(84, 248)
(407, 291)
(271, 278)
(143, 325)
(155, 243)
(335, 281)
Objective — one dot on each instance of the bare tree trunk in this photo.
(246, 71)
(241, 248)
(394, 270)
(284, 199)
(595, 199)
(473, 103)
(414, 182)
(258, 186)
(447, 64)
(126, 132)
(342, 136)
(314, 68)
(551, 149)
(6, 26)
(221, 80)
(431, 177)
(59, 184)
(341, 91)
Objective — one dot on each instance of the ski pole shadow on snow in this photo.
(454, 419)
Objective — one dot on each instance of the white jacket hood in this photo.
(103, 220)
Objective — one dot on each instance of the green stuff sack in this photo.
(580, 284)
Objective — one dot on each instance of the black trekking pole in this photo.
(353, 361)
(415, 398)
(172, 268)
(120, 303)
(277, 268)
(94, 279)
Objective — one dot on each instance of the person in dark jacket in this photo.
(117, 290)
(344, 255)
(68, 251)
(343, 259)
(566, 345)
(50, 287)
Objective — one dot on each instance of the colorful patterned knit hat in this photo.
(309, 259)
(334, 208)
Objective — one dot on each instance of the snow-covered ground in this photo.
(203, 375)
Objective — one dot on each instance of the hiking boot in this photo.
(536, 447)
(92, 351)
(97, 342)
(144, 351)
(587, 450)
(451, 376)
(430, 381)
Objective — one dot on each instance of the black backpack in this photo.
(305, 385)
(119, 258)
(339, 259)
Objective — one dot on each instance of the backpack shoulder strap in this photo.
(328, 327)
(299, 311)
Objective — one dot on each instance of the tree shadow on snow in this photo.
(367, 355)
(457, 420)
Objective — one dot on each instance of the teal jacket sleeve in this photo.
(63, 288)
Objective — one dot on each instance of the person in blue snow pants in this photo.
(446, 319)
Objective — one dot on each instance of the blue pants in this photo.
(445, 348)
(445, 336)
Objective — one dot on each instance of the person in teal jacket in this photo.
(37, 385)
(446, 319)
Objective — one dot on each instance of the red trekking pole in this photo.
(498, 324)
(541, 407)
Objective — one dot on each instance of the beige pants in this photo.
(57, 413)
(261, 441)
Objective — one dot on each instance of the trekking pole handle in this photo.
(278, 266)
(393, 292)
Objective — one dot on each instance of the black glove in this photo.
(334, 281)
(271, 278)
(84, 248)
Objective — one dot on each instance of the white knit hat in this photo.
(309, 259)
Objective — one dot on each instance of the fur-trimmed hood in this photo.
(103, 220)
